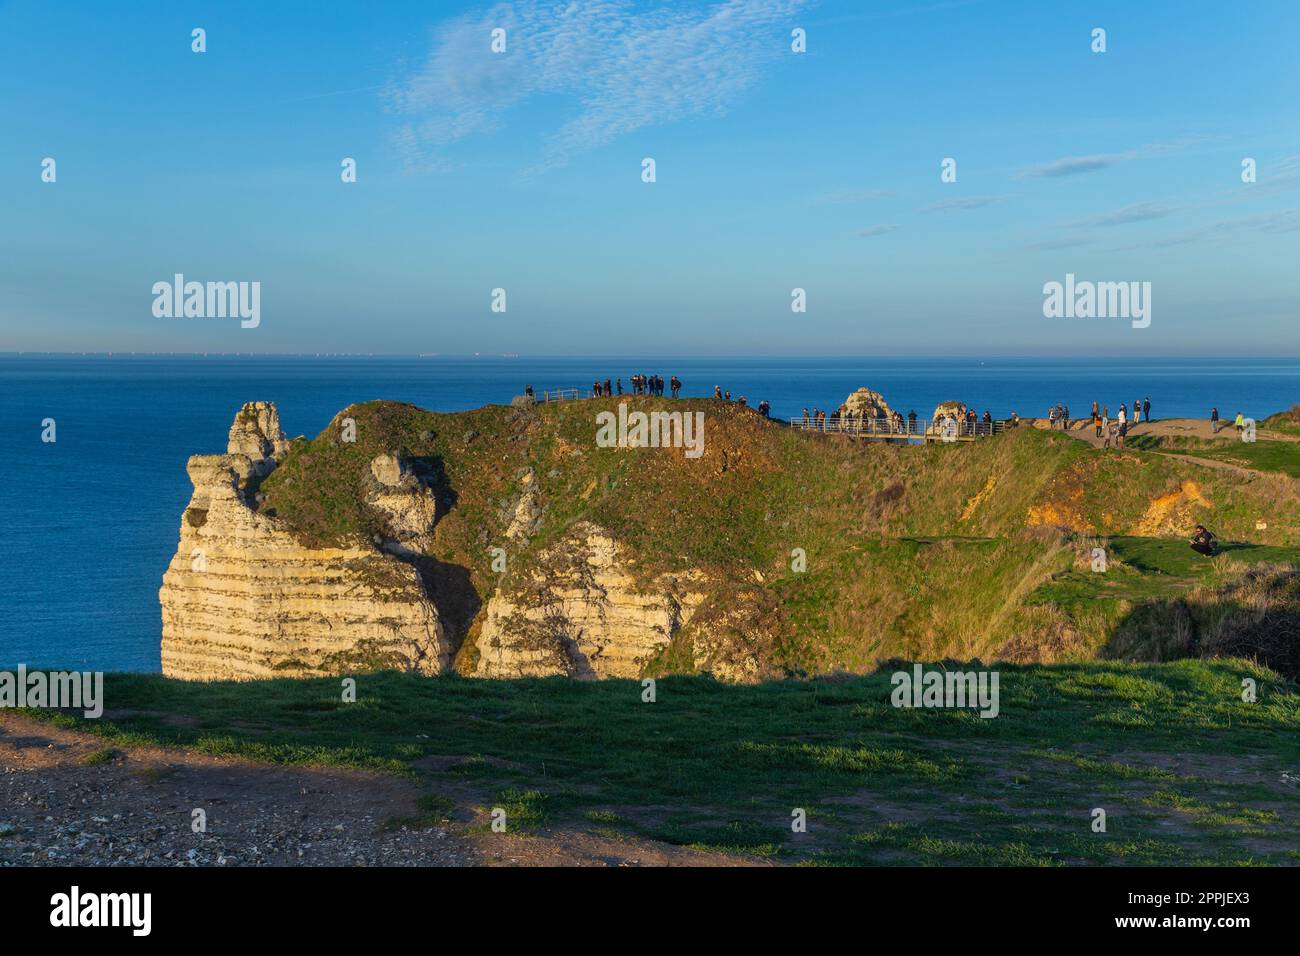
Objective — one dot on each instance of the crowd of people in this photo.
(654, 385)
(1111, 430)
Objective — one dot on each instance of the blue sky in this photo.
(775, 170)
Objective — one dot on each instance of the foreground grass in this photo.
(1186, 771)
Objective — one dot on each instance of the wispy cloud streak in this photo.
(623, 69)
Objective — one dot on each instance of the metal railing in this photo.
(562, 394)
(951, 429)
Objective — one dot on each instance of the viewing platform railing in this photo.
(949, 430)
(562, 394)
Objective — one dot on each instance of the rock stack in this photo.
(242, 598)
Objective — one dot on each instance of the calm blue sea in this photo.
(90, 522)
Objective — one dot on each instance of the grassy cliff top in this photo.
(940, 550)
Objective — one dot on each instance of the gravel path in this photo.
(69, 798)
(66, 799)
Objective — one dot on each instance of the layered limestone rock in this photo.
(864, 403)
(408, 506)
(955, 410)
(243, 598)
(584, 615)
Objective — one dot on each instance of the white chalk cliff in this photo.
(243, 598)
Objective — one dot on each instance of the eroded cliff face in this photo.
(244, 599)
(583, 614)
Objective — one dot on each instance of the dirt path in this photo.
(1084, 430)
(1240, 470)
(70, 798)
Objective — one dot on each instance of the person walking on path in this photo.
(1107, 430)
(1241, 422)
(1214, 421)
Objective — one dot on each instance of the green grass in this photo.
(1282, 457)
(723, 766)
(891, 534)
(1148, 568)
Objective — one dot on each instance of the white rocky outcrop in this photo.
(243, 598)
(585, 616)
(864, 403)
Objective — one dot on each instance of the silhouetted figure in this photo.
(528, 391)
(676, 384)
(1146, 409)
(1214, 421)
(1203, 541)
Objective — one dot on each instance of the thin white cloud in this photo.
(1071, 166)
(877, 230)
(1075, 165)
(1273, 223)
(962, 203)
(846, 196)
(623, 68)
(1135, 212)
(1049, 245)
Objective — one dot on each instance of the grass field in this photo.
(1186, 771)
(1282, 457)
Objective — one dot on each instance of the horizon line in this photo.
(104, 353)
